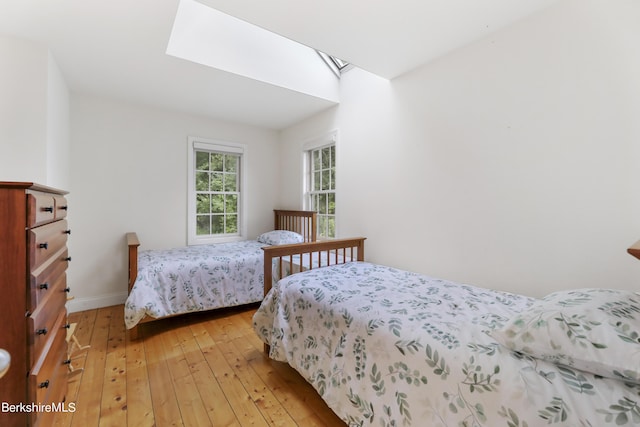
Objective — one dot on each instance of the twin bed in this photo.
(164, 283)
(387, 347)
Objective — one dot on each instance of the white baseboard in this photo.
(90, 303)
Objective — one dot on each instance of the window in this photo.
(321, 187)
(215, 191)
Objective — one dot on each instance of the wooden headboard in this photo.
(635, 249)
(302, 222)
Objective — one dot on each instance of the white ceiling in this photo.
(116, 48)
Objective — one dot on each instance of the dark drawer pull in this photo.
(67, 259)
(64, 208)
(44, 384)
(44, 286)
(66, 232)
(47, 209)
(66, 362)
(42, 331)
(44, 245)
(67, 289)
(67, 326)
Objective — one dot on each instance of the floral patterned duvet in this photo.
(385, 347)
(195, 278)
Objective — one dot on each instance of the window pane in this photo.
(331, 226)
(203, 203)
(202, 160)
(326, 180)
(230, 180)
(316, 159)
(316, 181)
(216, 181)
(326, 157)
(202, 181)
(333, 156)
(314, 202)
(202, 225)
(322, 204)
(322, 226)
(217, 162)
(217, 224)
(217, 203)
(333, 179)
(331, 201)
(231, 203)
(231, 163)
(232, 224)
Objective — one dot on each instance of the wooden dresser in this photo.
(33, 288)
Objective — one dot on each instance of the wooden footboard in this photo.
(307, 256)
(132, 243)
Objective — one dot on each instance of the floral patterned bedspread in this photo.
(385, 347)
(195, 278)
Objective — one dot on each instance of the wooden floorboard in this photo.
(206, 369)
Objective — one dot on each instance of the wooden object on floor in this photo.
(203, 369)
(73, 348)
(33, 285)
(635, 249)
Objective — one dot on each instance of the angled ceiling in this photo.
(117, 48)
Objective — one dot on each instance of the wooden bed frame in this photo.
(339, 251)
(635, 249)
(302, 222)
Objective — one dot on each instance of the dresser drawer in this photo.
(48, 378)
(61, 206)
(42, 279)
(40, 208)
(46, 241)
(41, 325)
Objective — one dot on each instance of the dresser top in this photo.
(30, 186)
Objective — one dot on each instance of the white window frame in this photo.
(197, 143)
(325, 140)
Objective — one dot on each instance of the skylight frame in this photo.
(337, 65)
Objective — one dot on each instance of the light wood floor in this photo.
(206, 369)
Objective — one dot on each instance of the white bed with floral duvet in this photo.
(200, 277)
(386, 347)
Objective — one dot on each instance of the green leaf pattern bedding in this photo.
(195, 278)
(386, 347)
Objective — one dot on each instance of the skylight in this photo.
(206, 36)
(337, 65)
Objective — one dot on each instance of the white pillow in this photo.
(280, 237)
(594, 330)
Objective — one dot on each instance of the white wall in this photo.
(57, 139)
(25, 125)
(129, 173)
(508, 164)
(34, 106)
